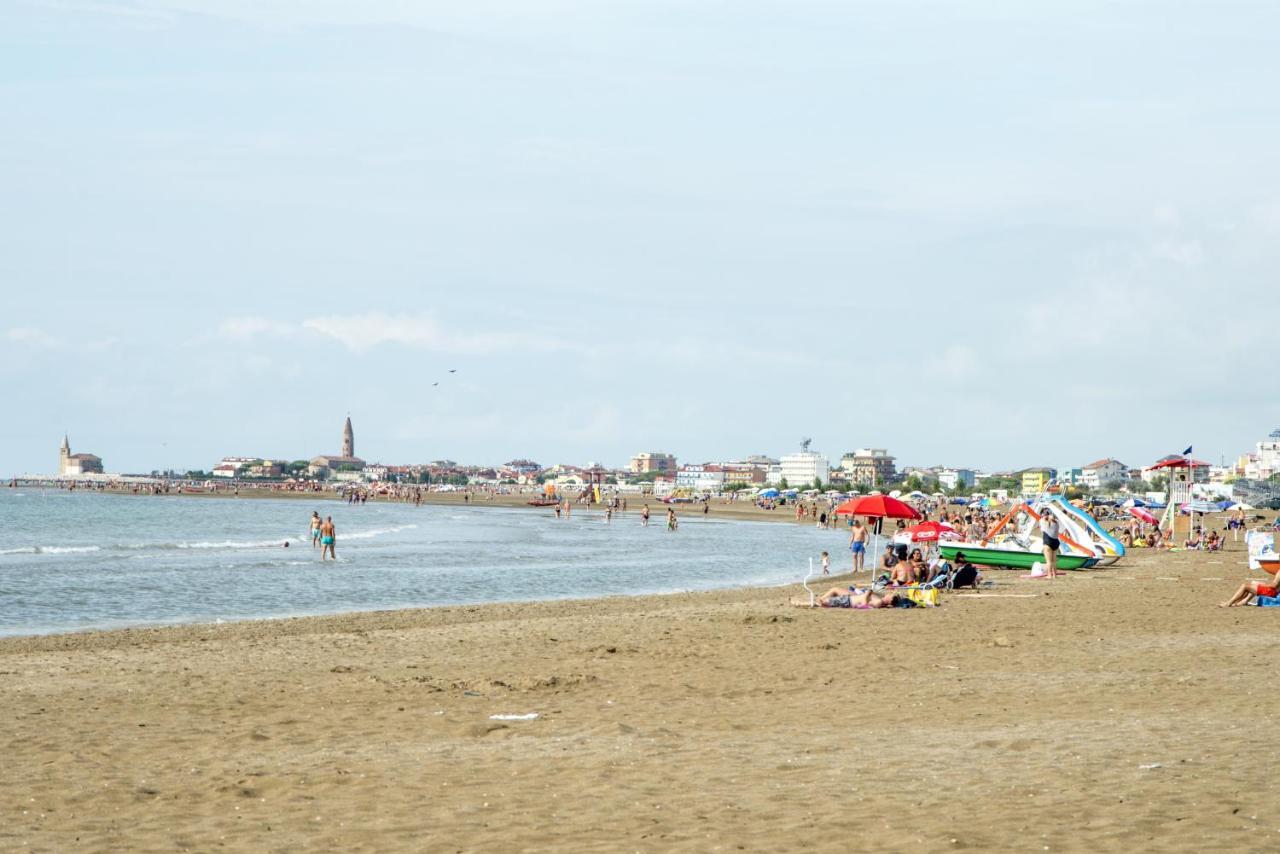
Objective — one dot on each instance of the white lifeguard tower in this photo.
(1181, 470)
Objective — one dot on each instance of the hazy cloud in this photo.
(365, 331)
(248, 327)
(30, 336)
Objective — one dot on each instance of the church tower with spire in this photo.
(64, 455)
(348, 439)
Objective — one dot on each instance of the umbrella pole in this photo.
(875, 556)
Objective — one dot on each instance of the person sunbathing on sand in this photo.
(1244, 595)
(845, 597)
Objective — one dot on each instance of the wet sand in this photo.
(1115, 709)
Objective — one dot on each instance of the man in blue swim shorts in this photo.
(858, 544)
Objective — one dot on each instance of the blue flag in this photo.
(1187, 451)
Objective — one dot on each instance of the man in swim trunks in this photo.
(1049, 534)
(858, 544)
(328, 538)
(315, 529)
(1244, 595)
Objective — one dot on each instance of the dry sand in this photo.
(1116, 709)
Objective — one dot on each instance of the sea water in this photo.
(77, 560)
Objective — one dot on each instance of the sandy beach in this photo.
(1116, 709)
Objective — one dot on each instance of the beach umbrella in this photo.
(1144, 515)
(931, 532)
(769, 493)
(877, 507)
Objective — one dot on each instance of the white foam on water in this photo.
(66, 550)
(233, 544)
(25, 550)
(376, 532)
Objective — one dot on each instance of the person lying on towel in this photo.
(846, 597)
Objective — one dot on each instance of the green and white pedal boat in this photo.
(991, 554)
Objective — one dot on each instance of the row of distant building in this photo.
(862, 468)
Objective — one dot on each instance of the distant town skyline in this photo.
(984, 234)
(865, 462)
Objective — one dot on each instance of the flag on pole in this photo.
(1187, 452)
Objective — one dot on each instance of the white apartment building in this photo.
(951, 478)
(231, 466)
(1100, 471)
(700, 478)
(1266, 461)
(801, 469)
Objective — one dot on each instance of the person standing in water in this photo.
(672, 521)
(644, 516)
(328, 539)
(315, 529)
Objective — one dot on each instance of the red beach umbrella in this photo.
(877, 506)
(930, 532)
(882, 506)
(1144, 515)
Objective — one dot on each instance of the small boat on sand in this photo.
(1010, 555)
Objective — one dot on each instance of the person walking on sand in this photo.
(315, 529)
(858, 544)
(328, 539)
(644, 516)
(1049, 533)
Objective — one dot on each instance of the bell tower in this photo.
(348, 439)
(64, 454)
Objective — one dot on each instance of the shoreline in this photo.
(734, 509)
(352, 615)
(760, 578)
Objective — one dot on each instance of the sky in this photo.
(982, 234)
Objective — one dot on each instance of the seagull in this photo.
(435, 384)
(453, 370)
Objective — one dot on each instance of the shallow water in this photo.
(79, 560)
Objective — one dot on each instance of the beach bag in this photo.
(923, 596)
